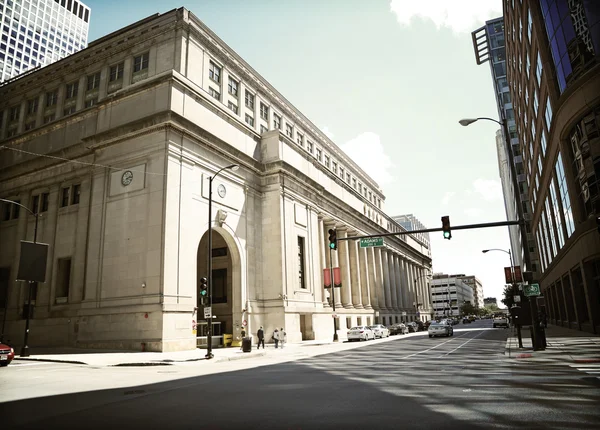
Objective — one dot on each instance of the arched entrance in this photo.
(226, 289)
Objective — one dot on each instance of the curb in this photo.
(586, 360)
(240, 357)
(50, 360)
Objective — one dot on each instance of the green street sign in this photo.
(531, 290)
(371, 241)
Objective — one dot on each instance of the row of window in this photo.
(69, 195)
(266, 114)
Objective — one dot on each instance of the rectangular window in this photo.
(32, 106)
(309, 146)
(14, 113)
(301, 278)
(264, 111)
(45, 201)
(564, 196)
(116, 72)
(219, 287)
(51, 98)
(249, 120)
(327, 161)
(538, 69)
(548, 113)
(63, 277)
(556, 211)
(334, 167)
(214, 72)
(214, 93)
(233, 87)
(289, 130)
(263, 129)
(233, 107)
(64, 201)
(300, 139)
(318, 154)
(75, 194)
(93, 81)
(30, 125)
(4, 281)
(141, 62)
(72, 89)
(48, 118)
(342, 173)
(276, 121)
(91, 102)
(69, 111)
(35, 204)
(249, 99)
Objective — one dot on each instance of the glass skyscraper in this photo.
(39, 32)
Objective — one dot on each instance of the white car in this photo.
(360, 333)
(440, 329)
(380, 331)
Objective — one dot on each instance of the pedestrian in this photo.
(282, 337)
(276, 337)
(261, 337)
(243, 336)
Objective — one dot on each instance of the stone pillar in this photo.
(405, 288)
(324, 258)
(344, 257)
(365, 284)
(355, 276)
(380, 280)
(386, 279)
(399, 286)
(393, 289)
(374, 277)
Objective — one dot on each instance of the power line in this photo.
(80, 162)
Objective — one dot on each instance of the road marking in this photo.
(429, 349)
(460, 346)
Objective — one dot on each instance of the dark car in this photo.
(6, 354)
(466, 320)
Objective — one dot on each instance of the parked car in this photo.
(360, 333)
(398, 328)
(426, 325)
(500, 322)
(412, 327)
(466, 320)
(380, 331)
(440, 329)
(6, 354)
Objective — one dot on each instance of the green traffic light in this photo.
(332, 245)
(446, 235)
(203, 293)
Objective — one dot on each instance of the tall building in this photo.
(490, 301)
(36, 33)
(553, 76)
(410, 223)
(477, 288)
(449, 293)
(117, 148)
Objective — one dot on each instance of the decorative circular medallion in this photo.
(221, 190)
(127, 178)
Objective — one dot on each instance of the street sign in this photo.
(207, 311)
(368, 242)
(403, 314)
(517, 299)
(531, 290)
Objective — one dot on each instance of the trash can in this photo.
(227, 339)
(247, 344)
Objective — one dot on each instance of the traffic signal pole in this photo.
(335, 335)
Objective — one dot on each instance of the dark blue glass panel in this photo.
(544, 6)
(560, 42)
(568, 29)
(563, 9)
(561, 79)
(554, 15)
(566, 65)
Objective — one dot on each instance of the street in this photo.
(464, 381)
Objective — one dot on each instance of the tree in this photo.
(468, 309)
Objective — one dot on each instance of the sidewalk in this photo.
(563, 346)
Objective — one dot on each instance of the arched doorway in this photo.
(226, 288)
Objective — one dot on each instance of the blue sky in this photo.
(388, 81)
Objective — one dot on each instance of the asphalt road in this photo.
(461, 382)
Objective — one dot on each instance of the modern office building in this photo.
(449, 293)
(490, 301)
(36, 33)
(477, 288)
(553, 76)
(116, 147)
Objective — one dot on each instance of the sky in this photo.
(387, 81)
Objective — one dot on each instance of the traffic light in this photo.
(203, 288)
(332, 239)
(446, 227)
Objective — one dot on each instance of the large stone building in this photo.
(36, 33)
(120, 183)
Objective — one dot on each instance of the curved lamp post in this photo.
(25, 347)
(209, 353)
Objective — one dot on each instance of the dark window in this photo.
(116, 72)
(63, 277)
(76, 193)
(45, 201)
(219, 252)
(301, 278)
(35, 204)
(72, 89)
(219, 289)
(214, 72)
(4, 278)
(65, 197)
(87, 15)
(140, 62)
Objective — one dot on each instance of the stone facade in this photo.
(122, 190)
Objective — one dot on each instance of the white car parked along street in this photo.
(360, 333)
(380, 331)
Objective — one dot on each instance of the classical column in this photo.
(399, 286)
(374, 277)
(324, 254)
(380, 278)
(386, 279)
(405, 289)
(355, 276)
(344, 256)
(365, 284)
(393, 291)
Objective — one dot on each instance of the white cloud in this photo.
(367, 151)
(447, 197)
(327, 132)
(473, 212)
(490, 189)
(462, 16)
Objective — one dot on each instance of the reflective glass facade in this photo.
(39, 32)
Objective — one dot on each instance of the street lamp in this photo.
(514, 289)
(537, 333)
(209, 354)
(25, 347)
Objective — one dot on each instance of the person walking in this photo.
(282, 337)
(276, 337)
(261, 337)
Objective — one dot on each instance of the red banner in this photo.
(327, 278)
(518, 274)
(508, 275)
(337, 277)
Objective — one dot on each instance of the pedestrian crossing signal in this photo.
(446, 227)
(332, 239)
